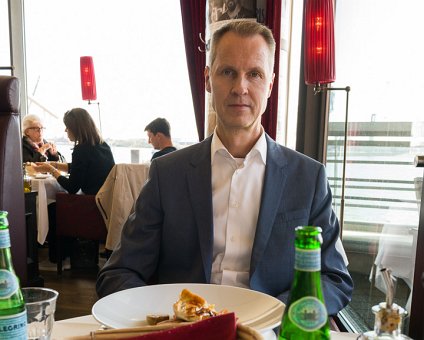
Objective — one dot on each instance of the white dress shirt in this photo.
(236, 196)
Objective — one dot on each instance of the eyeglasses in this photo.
(38, 129)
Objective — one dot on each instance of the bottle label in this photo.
(307, 260)
(308, 313)
(4, 239)
(9, 284)
(14, 326)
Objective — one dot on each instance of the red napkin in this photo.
(222, 327)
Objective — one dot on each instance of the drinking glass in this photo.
(40, 304)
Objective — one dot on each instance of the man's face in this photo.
(153, 139)
(240, 81)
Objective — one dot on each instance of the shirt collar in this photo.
(260, 147)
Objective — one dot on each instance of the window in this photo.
(4, 39)
(376, 56)
(290, 47)
(140, 65)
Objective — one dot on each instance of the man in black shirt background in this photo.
(159, 133)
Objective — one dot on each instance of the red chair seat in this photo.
(77, 216)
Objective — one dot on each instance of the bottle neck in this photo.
(307, 260)
(4, 238)
(6, 257)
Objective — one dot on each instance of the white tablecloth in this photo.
(47, 189)
(396, 250)
(83, 325)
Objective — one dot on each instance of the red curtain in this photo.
(273, 22)
(193, 14)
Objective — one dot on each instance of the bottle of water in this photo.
(13, 318)
(305, 316)
(27, 179)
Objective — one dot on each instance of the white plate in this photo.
(128, 308)
(42, 176)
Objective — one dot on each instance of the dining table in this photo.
(83, 325)
(46, 186)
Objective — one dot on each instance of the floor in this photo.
(76, 288)
(365, 295)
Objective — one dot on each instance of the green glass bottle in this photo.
(305, 316)
(13, 318)
(27, 179)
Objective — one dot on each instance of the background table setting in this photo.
(129, 308)
(46, 186)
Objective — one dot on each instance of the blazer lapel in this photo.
(200, 193)
(272, 193)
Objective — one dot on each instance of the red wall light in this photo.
(319, 49)
(88, 79)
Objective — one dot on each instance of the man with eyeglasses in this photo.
(34, 147)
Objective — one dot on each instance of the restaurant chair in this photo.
(116, 198)
(77, 216)
(11, 179)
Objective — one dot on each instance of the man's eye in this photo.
(227, 72)
(255, 74)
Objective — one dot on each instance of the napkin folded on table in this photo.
(222, 327)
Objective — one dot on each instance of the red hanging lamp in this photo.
(88, 79)
(88, 83)
(319, 48)
(320, 68)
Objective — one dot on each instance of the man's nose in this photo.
(240, 85)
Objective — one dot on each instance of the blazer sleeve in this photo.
(337, 284)
(296, 193)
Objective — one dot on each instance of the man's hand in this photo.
(42, 149)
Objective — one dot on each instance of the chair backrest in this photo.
(117, 196)
(78, 216)
(12, 197)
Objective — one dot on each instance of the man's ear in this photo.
(207, 79)
(271, 85)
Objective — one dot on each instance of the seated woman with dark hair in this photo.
(92, 160)
(34, 147)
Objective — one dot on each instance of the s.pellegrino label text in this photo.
(14, 326)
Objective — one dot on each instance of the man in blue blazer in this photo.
(224, 211)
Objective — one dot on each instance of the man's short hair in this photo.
(243, 28)
(159, 125)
